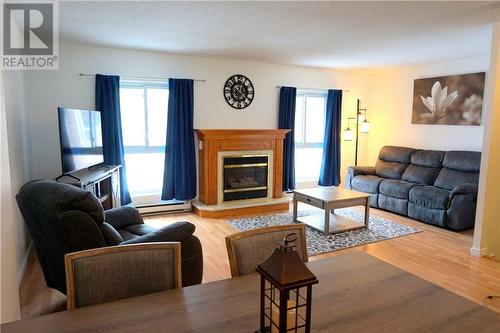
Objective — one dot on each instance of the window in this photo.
(309, 134)
(144, 124)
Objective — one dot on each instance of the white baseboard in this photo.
(24, 265)
(477, 252)
(165, 208)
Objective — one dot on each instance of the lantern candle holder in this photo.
(285, 291)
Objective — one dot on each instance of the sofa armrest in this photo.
(122, 217)
(468, 188)
(80, 231)
(354, 171)
(191, 251)
(176, 232)
(462, 207)
(361, 170)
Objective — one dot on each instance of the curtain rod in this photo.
(139, 77)
(310, 88)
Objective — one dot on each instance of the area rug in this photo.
(380, 229)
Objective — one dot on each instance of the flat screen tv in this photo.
(80, 137)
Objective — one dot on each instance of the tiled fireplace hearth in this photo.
(240, 171)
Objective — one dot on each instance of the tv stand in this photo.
(68, 174)
(102, 180)
(100, 165)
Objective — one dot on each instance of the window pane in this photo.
(315, 119)
(132, 114)
(299, 116)
(157, 116)
(307, 163)
(144, 172)
(310, 114)
(144, 158)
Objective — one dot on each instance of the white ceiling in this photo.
(322, 34)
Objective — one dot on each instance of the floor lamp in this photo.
(362, 126)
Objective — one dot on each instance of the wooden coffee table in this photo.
(329, 199)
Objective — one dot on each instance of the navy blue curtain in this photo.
(286, 120)
(330, 165)
(107, 100)
(179, 175)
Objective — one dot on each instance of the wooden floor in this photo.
(437, 255)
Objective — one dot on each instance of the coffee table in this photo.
(329, 199)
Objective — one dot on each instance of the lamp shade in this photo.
(364, 127)
(348, 134)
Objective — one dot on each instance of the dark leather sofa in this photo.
(63, 218)
(436, 187)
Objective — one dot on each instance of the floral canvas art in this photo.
(449, 100)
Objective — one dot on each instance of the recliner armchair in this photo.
(63, 218)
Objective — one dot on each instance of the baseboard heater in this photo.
(161, 208)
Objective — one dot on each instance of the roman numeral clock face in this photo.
(239, 91)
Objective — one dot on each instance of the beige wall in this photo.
(9, 258)
(390, 98)
(15, 239)
(487, 233)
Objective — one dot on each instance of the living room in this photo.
(288, 114)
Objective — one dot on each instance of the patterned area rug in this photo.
(380, 229)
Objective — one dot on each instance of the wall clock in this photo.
(239, 91)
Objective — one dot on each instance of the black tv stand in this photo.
(102, 180)
(68, 175)
(100, 165)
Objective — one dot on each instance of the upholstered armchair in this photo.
(63, 219)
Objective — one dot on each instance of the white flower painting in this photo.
(449, 100)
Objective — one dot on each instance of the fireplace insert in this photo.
(245, 177)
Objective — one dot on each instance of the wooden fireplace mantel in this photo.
(216, 140)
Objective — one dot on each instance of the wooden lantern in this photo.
(285, 291)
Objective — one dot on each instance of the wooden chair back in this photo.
(248, 248)
(111, 273)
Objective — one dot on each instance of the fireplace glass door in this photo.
(245, 177)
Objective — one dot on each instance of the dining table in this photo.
(356, 293)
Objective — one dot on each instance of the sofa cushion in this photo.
(391, 170)
(395, 205)
(427, 215)
(459, 167)
(140, 229)
(448, 179)
(429, 197)
(110, 235)
(468, 161)
(395, 188)
(392, 161)
(428, 158)
(396, 154)
(367, 184)
(420, 174)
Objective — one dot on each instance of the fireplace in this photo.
(245, 177)
(240, 172)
